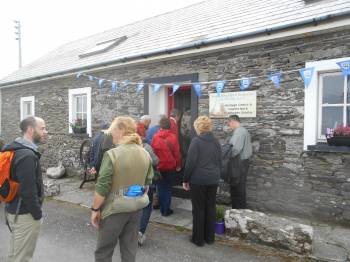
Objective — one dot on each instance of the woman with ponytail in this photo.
(121, 192)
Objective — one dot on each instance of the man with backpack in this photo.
(241, 153)
(23, 190)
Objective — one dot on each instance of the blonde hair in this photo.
(128, 126)
(203, 124)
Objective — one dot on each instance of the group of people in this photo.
(134, 162)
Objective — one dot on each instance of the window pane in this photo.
(79, 104)
(348, 91)
(348, 116)
(84, 98)
(333, 89)
(27, 108)
(331, 118)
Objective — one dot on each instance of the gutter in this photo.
(197, 45)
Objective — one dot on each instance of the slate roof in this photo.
(202, 21)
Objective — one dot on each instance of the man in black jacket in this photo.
(24, 212)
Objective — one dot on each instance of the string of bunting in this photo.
(244, 83)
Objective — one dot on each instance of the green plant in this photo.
(220, 213)
(78, 123)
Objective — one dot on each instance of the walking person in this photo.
(143, 125)
(241, 152)
(24, 212)
(121, 192)
(202, 175)
(147, 211)
(166, 147)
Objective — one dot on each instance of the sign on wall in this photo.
(242, 104)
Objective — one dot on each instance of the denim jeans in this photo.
(164, 186)
(146, 212)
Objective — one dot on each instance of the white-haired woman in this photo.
(116, 209)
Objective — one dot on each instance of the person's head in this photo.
(146, 120)
(164, 123)
(203, 125)
(175, 113)
(123, 131)
(104, 126)
(33, 129)
(234, 121)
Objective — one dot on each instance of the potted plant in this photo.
(79, 126)
(339, 136)
(220, 223)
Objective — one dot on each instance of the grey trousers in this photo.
(123, 227)
(24, 236)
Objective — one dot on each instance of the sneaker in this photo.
(168, 213)
(141, 238)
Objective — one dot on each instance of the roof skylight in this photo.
(102, 47)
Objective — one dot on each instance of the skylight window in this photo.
(104, 46)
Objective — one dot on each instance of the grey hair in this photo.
(145, 117)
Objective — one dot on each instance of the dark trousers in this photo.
(238, 192)
(165, 186)
(203, 199)
(123, 227)
(146, 212)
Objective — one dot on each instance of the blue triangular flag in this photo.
(197, 88)
(244, 83)
(79, 74)
(306, 75)
(156, 87)
(100, 82)
(139, 87)
(275, 78)
(345, 67)
(91, 78)
(220, 86)
(114, 87)
(175, 88)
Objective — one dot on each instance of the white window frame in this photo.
(24, 99)
(312, 100)
(80, 91)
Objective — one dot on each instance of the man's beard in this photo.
(37, 138)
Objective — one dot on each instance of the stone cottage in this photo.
(293, 172)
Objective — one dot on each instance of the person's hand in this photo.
(96, 218)
(186, 186)
(178, 169)
(93, 171)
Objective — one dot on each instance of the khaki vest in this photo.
(132, 166)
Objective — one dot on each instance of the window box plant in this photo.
(220, 223)
(79, 126)
(339, 136)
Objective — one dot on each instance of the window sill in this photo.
(324, 147)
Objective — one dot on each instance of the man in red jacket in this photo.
(166, 146)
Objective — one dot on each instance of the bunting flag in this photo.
(156, 87)
(114, 87)
(275, 78)
(79, 74)
(345, 67)
(91, 78)
(220, 86)
(198, 89)
(100, 82)
(139, 87)
(244, 83)
(306, 75)
(175, 88)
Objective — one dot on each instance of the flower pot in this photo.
(220, 227)
(79, 130)
(339, 141)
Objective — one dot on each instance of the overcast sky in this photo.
(46, 24)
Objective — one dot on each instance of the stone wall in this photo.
(282, 178)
